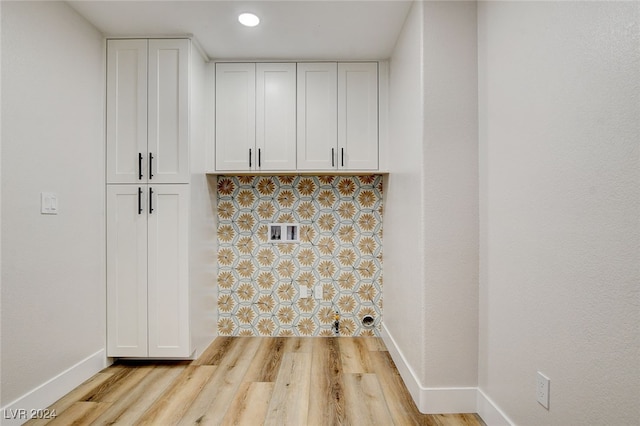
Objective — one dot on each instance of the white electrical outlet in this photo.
(318, 292)
(542, 389)
(304, 292)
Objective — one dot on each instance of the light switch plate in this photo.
(48, 203)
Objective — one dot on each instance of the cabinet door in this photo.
(168, 109)
(168, 275)
(235, 116)
(126, 271)
(126, 111)
(317, 116)
(358, 116)
(276, 116)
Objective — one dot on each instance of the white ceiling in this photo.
(294, 29)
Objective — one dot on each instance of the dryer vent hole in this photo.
(367, 321)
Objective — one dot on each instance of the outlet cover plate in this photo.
(542, 389)
(304, 292)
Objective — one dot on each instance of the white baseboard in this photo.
(18, 411)
(490, 412)
(448, 400)
(430, 400)
(405, 370)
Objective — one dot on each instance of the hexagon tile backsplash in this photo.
(340, 251)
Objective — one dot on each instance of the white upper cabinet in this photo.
(126, 110)
(338, 116)
(147, 111)
(358, 116)
(168, 111)
(255, 116)
(317, 116)
(276, 116)
(235, 116)
(307, 116)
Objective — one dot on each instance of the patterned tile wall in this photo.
(340, 248)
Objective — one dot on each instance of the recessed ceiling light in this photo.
(248, 19)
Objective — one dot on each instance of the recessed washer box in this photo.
(283, 233)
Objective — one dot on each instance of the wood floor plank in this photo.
(119, 384)
(365, 402)
(74, 396)
(374, 344)
(80, 413)
(355, 355)
(403, 409)
(127, 411)
(250, 405)
(290, 400)
(266, 363)
(463, 419)
(212, 403)
(215, 351)
(170, 407)
(326, 404)
(299, 344)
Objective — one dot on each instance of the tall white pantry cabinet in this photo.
(159, 214)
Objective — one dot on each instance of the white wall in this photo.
(203, 217)
(450, 200)
(559, 86)
(53, 267)
(431, 209)
(403, 229)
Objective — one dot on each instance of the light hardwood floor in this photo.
(254, 381)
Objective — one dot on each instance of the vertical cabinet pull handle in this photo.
(150, 166)
(139, 166)
(259, 157)
(249, 157)
(333, 164)
(342, 153)
(139, 200)
(150, 200)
